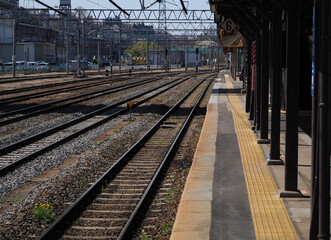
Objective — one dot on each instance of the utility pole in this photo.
(170, 55)
(154, 53)
(98, 53)
(83, 49)
(111, 52)
(186, 56)
(119, 51)
(14, 48)
(78, 52)
(196, 59)
(67, 45)
(78, 47)
(218, 57)
(147, 66)
(177, 58)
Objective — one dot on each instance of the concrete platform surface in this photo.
(231, 192)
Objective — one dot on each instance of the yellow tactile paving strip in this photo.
(270, 217)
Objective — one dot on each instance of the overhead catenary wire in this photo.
(51, 8)
(122, 10)
(96, 3)
(184, 8)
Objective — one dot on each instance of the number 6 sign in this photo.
(228, 25)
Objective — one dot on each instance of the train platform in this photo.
(231, 192)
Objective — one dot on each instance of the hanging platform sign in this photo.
(229, 25)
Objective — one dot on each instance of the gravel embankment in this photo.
(71, 182)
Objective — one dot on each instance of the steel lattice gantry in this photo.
(280, 30)
(102, 14)
(105, 24)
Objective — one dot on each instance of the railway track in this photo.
(29, 148)
(18, 114)
(31, 78)
(59, 75)
(14, 99)
(111, 206)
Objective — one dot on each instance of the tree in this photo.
(154, 46)
(139, 49)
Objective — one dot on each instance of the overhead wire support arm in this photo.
(53, 9)
(121, 9)
(184, 8)
(156, 1)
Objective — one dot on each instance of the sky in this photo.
(125, 4)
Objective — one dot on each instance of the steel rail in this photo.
(43, 134)
(24, 78)
(87, 197)
(50, 92)
(39, 111)
(36, 137)
(26, 89)
(38, 77)
(129, 224)
(60, 90)
(96, 94)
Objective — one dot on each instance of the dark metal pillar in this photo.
(292, 100)
(276, 80)
(119, 49)
(14, 48)
(323, 124)
(314, 135)
(83, 46)
(248, 74)
(67, 44)
(257, 86)
(99, 54)
(264, 94)
(253, 83)
(78, 52)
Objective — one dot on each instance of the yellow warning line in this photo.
(270, 217)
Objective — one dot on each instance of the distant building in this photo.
(176, 57)
(30, 46)
(9, 3)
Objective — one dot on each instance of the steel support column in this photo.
(253, 83)
(248, 74)
(257, 85)
(119, 50)
(14, 48)
(67, 44)
(276, 79)
(99, 54)
(83, 46)
(78, 51)
(264, 95)
(314, 134)
(292, 92)
(323, 123)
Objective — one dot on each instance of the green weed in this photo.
(171, 195)
(16, 199)
(166, 228)
(43, 212)
(145, 236)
